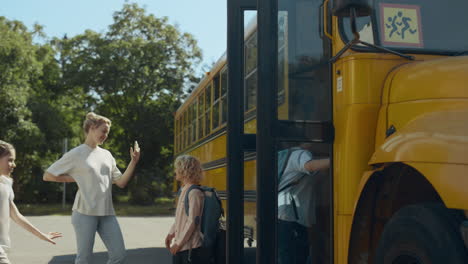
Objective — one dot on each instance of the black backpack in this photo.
(212, 211)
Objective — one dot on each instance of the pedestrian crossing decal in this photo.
(401, 25)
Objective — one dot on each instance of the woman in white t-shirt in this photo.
(8, 208)
(94, 170)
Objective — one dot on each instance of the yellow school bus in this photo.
(397, 99)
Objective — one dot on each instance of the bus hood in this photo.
(445, 78)
(427, 109)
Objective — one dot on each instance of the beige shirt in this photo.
(94, 170)
(6, 196)
(186, 230)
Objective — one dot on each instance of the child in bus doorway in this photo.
(185, 238)
(296, 207)
(8, 208)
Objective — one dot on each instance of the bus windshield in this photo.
(420, 26)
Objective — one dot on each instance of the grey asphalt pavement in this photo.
(144, 240)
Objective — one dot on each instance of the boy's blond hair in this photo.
(189, 168)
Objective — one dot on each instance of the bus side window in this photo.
(189, 125)
(224, 87)
(216, 101)
(193, 121)
(208, 110)
(186, 123)
(250, 73)
(201, 114)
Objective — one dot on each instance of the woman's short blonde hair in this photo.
(189, 168)
(5, 148)
(95, 120)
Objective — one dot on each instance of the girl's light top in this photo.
(6, 196)
(186, 227)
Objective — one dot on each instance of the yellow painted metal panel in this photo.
(250, 127)
(357, 97)
(431, 79)
(450, 181)
(211, 150)
(354, 145)
(342, 235)
(216, 178)
(361, 82)
(380, 132)
(438, 136)
(250, 175)
(356, 108)
(400, 114)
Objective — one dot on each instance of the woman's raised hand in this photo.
(135, 152)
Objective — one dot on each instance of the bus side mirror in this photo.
(342, 8)
(354, 9)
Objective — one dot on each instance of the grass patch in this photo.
(44, 209)
(162, 207)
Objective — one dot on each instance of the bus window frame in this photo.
(216, 79)
(193, 121)
(223, 71)
(201, 114)
(253, 71)
(208, 95)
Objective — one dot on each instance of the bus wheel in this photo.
(422, 234)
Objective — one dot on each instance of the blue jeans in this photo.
(293, 243)
(108, 229)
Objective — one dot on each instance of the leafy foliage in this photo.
(136, 74)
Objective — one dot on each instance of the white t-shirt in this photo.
(303, 193)
(6, 196)
(94, 170)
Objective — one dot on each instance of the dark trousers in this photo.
(197, 256)
(293, 243)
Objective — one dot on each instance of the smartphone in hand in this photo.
(136, 147)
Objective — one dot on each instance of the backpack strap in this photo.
(186, 199)
(197, 221)
(293, 202)
(297, 180)
(285, 164)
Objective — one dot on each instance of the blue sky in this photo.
(205, 19)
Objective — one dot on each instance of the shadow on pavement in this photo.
(143, 256)
(134, 256)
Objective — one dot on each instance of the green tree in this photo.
(19, 65)
(37, 110)
(57, 110)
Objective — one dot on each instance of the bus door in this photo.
(241, 193)
(294, 134)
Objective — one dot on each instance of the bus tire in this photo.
(422, 234)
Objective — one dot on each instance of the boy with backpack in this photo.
(192, 237)
(296, 207)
